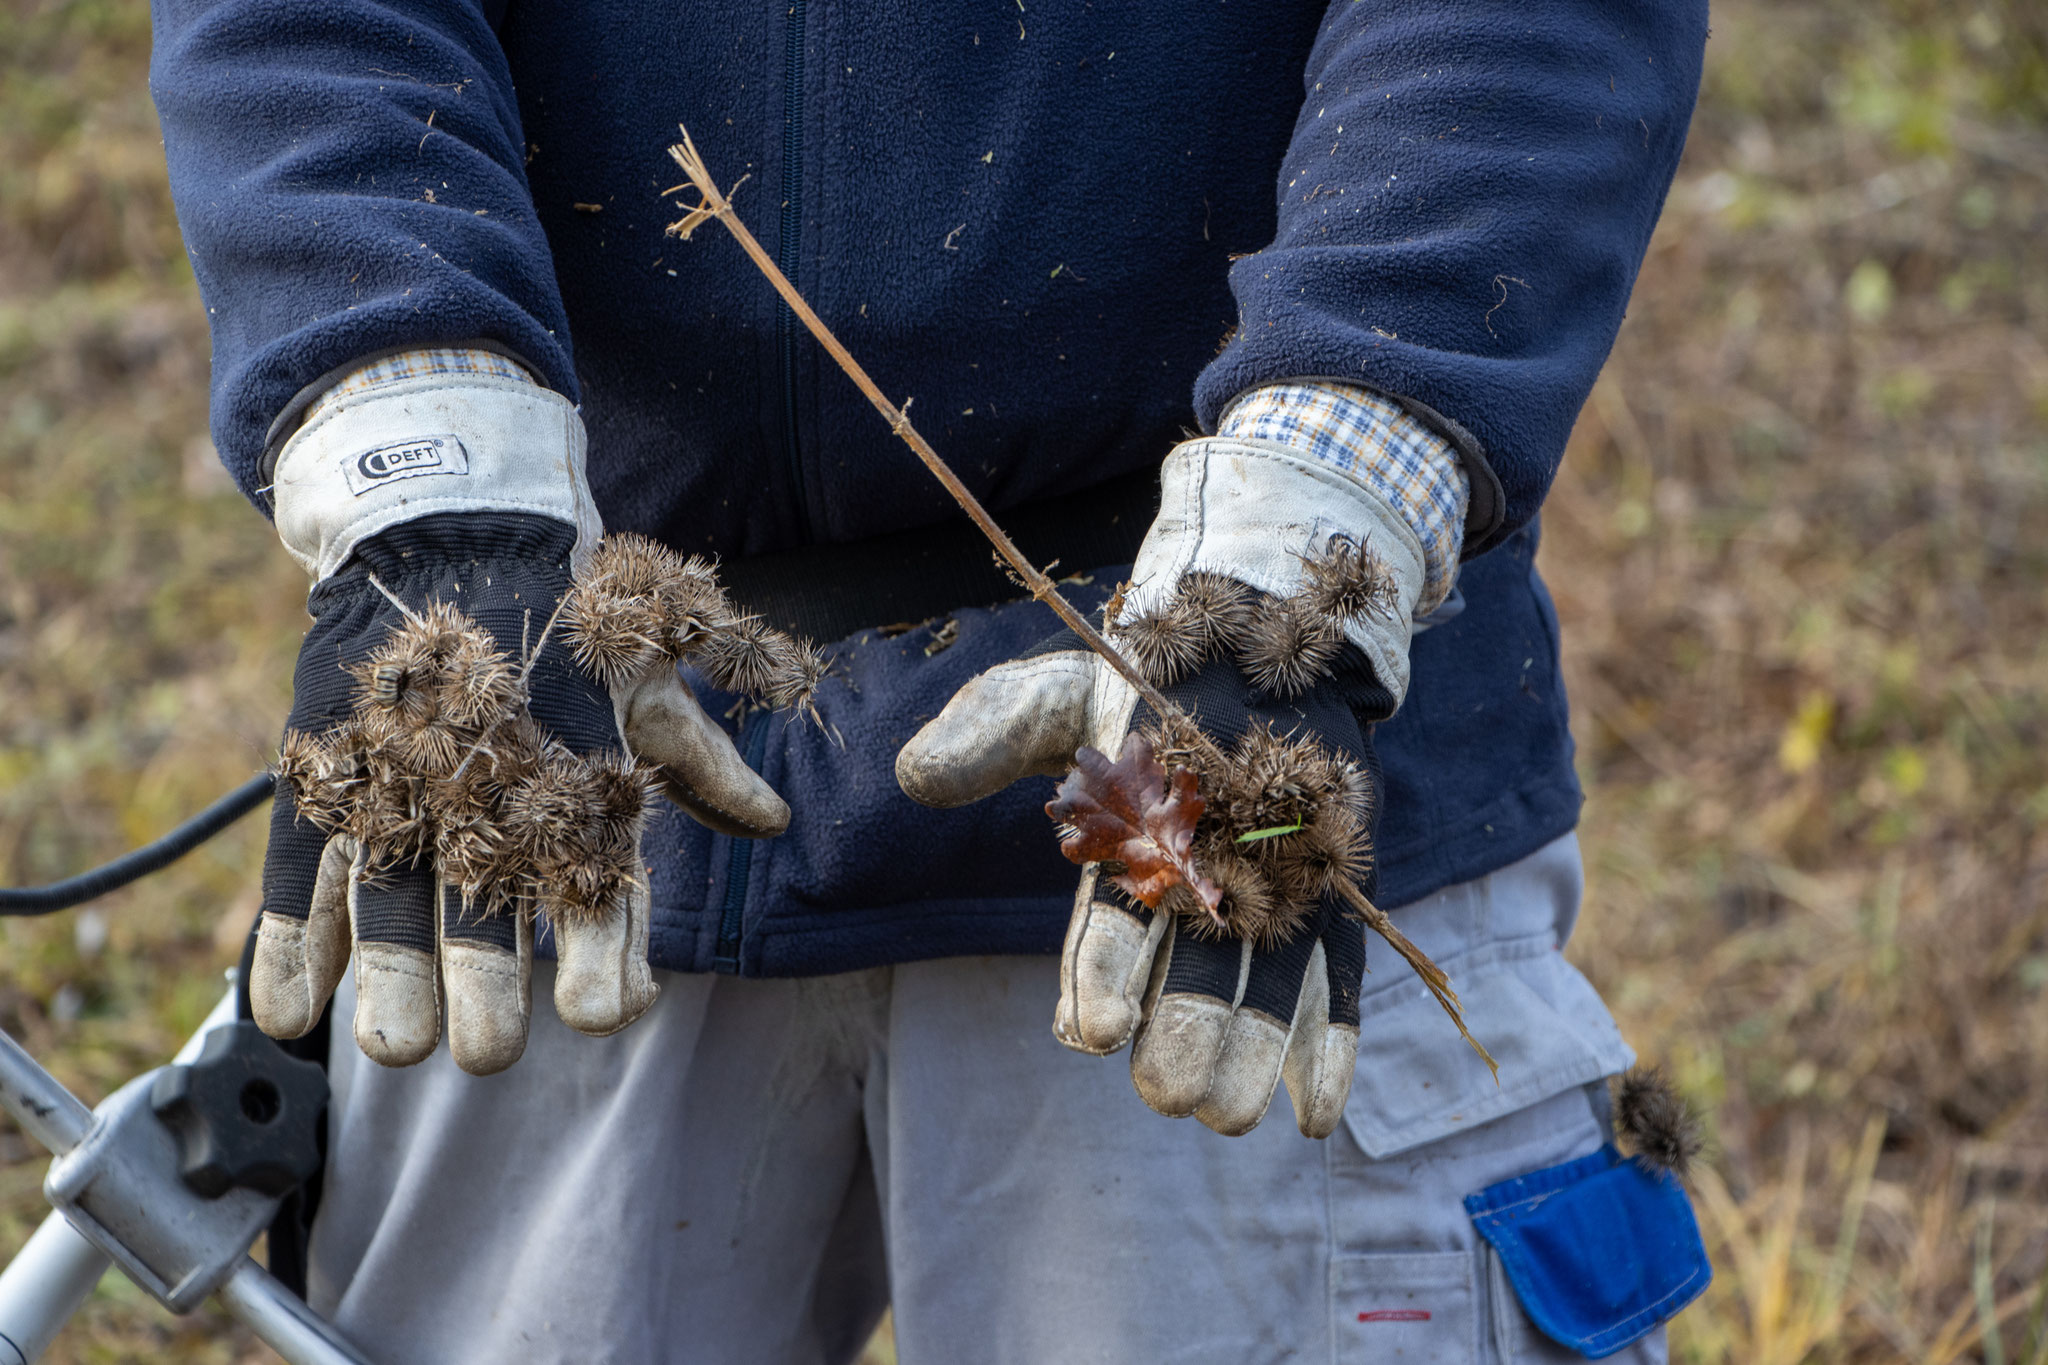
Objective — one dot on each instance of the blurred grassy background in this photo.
(1800, 548)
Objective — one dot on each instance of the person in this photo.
(1209, 291)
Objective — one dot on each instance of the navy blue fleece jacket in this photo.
(1043, 221)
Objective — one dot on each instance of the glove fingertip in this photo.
(279, 995)
(745, 808)
(489, 1005)
(398, 1004)
(1173, 1062)
(1107, 962)
(1320, 1091)
(1247, 1073)
(299, 957)
(602, 980)
(1019, 719)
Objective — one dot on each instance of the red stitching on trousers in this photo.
(1395, 1315)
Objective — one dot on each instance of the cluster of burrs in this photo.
(1285, 823)
(638, 606)
(440, 761)
(1283, 644)
(1284, 826)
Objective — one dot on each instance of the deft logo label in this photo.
(384, 464)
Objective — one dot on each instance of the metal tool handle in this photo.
(46, 1283)
(55, 1272)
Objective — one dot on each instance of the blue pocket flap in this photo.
(1599, 1250)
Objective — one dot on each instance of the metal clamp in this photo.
(120, 1187)
(124, 1184)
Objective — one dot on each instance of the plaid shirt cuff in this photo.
(1376, 441)
(419, 364)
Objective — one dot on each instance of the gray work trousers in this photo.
(753, 1171)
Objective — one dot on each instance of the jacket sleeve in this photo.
(1464, 204)
(349, 178)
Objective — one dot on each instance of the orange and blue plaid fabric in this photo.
(429, 360)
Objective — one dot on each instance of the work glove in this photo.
(468, 494)
(1215, 1021)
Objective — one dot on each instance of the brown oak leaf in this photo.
(1128, 812)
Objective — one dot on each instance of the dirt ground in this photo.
(1798, 547)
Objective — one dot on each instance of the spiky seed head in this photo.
(470, 847)
(693, 603)
(322, 773)
(1205, 615)
(1252, 910)
(613, 635)
(425, 641)
(1274, 780)
(1356, 792)
(1332, 848)
(469, 836)
(593, 890)
(800, 669)
(630, 565)
(479, 686)
(1216, 608)
(580, 832)
(617, 617)
(1347, 582)
(1161, 641)
(393, 696)
(431, 749)
(542, 813)
(434, 658)
(1657, 1123)
(740, 656)
(1177, 742)
(389, 820)
(1286, 650)
(621, 791)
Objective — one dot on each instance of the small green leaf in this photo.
(1273, 833)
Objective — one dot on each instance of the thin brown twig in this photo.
(1432, 975)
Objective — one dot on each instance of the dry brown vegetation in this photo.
(1799, 548)
(1799, 551)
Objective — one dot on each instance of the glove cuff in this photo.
(437, 443)
(1250, 509)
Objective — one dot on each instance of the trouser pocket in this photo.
(1508, 1337)
(1420, 1306)
(1599, 1251)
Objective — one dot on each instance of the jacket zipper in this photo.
(738, 864)
(786, 248)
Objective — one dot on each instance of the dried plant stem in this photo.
(1432, 975)
(716, 205)
(395, 600)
